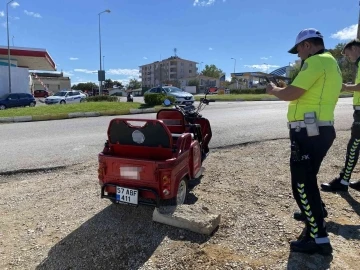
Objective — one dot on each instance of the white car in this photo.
(66, 97)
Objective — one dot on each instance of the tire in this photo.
(2, 107)
(32, 104)
(62, 102)
(181, 194)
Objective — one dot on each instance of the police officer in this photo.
(313, 96)
(352, 51)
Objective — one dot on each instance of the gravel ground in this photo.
(56, 219)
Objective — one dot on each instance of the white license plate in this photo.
(127, 195)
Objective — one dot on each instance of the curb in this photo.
(46, 117)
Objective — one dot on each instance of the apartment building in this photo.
(168, 70)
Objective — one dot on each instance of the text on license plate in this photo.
(127, 195)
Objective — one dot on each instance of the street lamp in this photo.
(234, 64)
(8, 42)
(101, 73)
(103, 62)
(200, 64)
(13, 40)
(237, 81)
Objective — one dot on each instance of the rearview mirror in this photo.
(167, 102)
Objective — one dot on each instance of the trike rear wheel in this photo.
(181, 194)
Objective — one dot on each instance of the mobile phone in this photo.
(272, 79)
(311, 124)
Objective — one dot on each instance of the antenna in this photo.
(175, 50)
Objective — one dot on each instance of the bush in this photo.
(248, 91)
(156, 99)
(102, 98)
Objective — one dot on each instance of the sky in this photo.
(257, 34)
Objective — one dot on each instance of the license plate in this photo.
(130, 172)
(188, 103)
(127, 195)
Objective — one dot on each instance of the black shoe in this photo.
(308, 245)
(299, 216)
(355, 185)
(334, 186)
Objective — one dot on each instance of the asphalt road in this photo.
(65, 142)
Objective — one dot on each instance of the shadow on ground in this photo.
(118, 237)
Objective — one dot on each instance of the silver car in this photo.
(181, 97)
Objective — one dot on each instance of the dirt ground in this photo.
(56, 219)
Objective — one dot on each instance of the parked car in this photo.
(181, 97)
(14, 100)
(41, 93)
(65, 97)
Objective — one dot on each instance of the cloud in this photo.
(349, 32)
(204, 3)
(126, 72)
(32, 14)
(68, 73)
(4, 24)
(2, 13)
(266, 58)
(83, 70)
(73, 58)
(210, 49)
(14, 4)
(262, 67)
(145, 57)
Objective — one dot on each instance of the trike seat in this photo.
(144, 139)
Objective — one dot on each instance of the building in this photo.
(21, 61)
(53, 82)
(204, 82)
(245, 80)
(168, 70)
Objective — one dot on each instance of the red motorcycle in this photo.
(151, 162)
(184, 118)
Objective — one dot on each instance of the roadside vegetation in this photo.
(100, 106)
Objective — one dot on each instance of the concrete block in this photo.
(91, 114)
(134, 111)
(195, 218)
(76, 114)
(22, 118)
(6, 119)
(149, 110)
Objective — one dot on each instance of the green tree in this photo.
(109, 83)
(347, 68)
(194, 82)
(134, 84)
(118, 84)
(85, 86)
(212, 71)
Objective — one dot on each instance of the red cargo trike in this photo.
(152, 161)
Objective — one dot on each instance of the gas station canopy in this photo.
(31, 58)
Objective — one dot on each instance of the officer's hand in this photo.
(269, 88)
(281, 83)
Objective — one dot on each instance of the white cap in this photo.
(303, 35)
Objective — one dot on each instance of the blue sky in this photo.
(136, 32)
